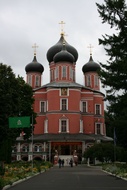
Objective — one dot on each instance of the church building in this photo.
(70, 116)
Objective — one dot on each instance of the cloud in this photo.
(26, 22)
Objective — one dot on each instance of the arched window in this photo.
(37, 81)
(64, 71)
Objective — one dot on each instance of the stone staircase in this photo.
(66, 159)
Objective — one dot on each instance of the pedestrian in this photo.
(59, 161)
(71, 162)
(62, 162)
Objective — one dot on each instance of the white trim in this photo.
(44, 106)
(37, 82)
(88, 80)
(46, 126)
(29, 79)
(96, 80)
(101, 128)
(99, 109)
(81, 126)
(67, 125)
(81, 106)
(61, 103)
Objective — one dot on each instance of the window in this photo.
(84, 107)
(37, 81)
(97, 109)
(38, 148)
(42, 106)
(25, 148)
(56, 72)
(52, 75)
(64, 71)
(96, 80)
(98, 128)
(88, 80)
(63, 126)
(30, 80)
(63, 104)
(71, 73)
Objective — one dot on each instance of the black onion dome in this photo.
(34, 66)
(63, 55)
(58, 47)
(90, 66)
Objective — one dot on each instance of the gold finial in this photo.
(90, 46)
(62, 26)
(35, 47)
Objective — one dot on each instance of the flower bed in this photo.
(20, 170)
(117, 169)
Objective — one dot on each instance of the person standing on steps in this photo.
(59, 161)
(71, 162)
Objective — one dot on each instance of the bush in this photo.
(1, 183)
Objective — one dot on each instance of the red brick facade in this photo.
(70, 116)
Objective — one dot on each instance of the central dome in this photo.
(58, 47)
(63, 55)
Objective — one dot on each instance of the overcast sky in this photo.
(25, 22)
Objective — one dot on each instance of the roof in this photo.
(68, 137)
(66, 85)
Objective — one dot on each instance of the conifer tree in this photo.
(114, 72)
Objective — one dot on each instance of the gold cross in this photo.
(90, 46)
(34, 47)
(62, 24)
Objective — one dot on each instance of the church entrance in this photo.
(65, 150)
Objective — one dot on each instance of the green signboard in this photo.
(19, 122)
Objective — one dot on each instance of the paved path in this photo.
(76, 178)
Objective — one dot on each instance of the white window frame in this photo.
(37, 80)
(30, 80)
(61, 104)
(71, 73)
(56, 72)
(96, 80)
(82, 106)
(64, 71)
(96, 110)
(43, 106)
(60, 126)
(88, 80)
(101, 128)
(64, 94)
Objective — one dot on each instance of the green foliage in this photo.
(113, 74)
(16, 97)
(104, 152)
(2, 183)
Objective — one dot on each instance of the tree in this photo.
(113, 74)
(16, 97)
(104, 152)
